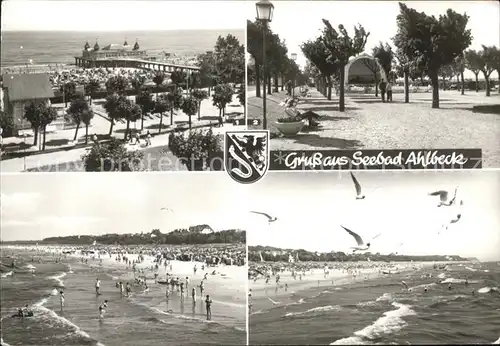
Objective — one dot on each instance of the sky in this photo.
(36, 206)
(311, 206)
(121, 15)
(300, 21)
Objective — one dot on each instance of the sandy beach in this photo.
(265, 295)
(374, 307)
(147, 309)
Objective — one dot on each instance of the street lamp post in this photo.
(294, 58)
(265, 15)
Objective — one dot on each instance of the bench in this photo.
(25, 133)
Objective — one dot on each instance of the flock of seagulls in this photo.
(444, 201)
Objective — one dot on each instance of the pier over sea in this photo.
(135, 63)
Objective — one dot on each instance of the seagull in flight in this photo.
(357, 185)
(166, 209)
(455, 220)
(452, 221)
(443, 197)
(269, 217)
(400, 244)
(272, 301)
(361, 244)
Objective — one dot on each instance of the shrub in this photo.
(111, 157)
(290, 116)
(195, 149)
(7, 124)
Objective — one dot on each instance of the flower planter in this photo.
(289, 129)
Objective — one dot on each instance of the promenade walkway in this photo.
(368, 123)
(157, 157)
(61, 148)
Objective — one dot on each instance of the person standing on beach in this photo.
(148, 139)
(187, 284)
(97, 286)
(201, 288)
(208, 304)
(182, 290)
(61, 298)
(250, 301)
(193, 295)
(102, 308)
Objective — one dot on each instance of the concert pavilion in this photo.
(115, 55)
(112, 55)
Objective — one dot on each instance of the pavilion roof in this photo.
(115, 46)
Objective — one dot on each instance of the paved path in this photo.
(62, 160)
(61, 140)
(100, 125)
(368, 123)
